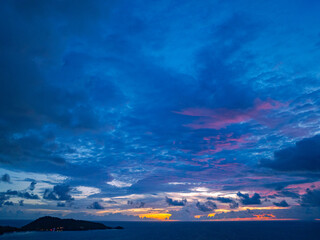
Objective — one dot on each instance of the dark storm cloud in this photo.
(283, 203)
(58, 193)
(206, 206)
(172, 202)
(247, 200)
(311, 198)
(5, 178)
(95, 205)
(304, 156)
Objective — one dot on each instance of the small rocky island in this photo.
(57, 224)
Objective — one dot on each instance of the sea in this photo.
(255, 230)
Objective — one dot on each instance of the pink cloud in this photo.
(303, 186)
(222, 117)
(220, 143)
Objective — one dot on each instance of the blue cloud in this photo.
(247, 200)
(311, 198)
(95, 205)
(172, 202)
(304, 156)
(283, 203)
(58, 193)
(5, 178)
(206, 206)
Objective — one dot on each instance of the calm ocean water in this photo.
(182, 230)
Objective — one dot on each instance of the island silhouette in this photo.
(48, 223)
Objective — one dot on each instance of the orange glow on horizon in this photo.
(156, 216)
(263, 216)
(211, 214)
(223, 210)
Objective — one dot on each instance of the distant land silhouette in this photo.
(57, 224)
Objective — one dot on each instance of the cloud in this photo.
(32, 185)
(221, 118)
(247, 200)
(60, 204)
(221, 199)
(5, 178)
(27, 195)
(41, 118)
(283, 203)
(137, 204)
(74, 103)
(304, 156)
(21, 194)
(232, 203)
(8, 203)
(58, 193)
(21, 203)
(283, 184)
(311, 198)
(3, 198)
(172, 202)
(95, 205)
(273, 196)
(207, 206)
(286, 193)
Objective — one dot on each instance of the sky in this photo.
(160, 110)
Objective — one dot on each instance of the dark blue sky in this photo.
(185, 110)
